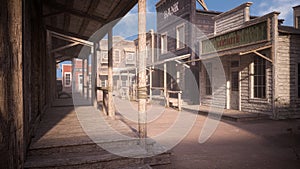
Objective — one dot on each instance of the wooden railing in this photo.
(179, 101)
(104, 99)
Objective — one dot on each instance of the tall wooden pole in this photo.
(111, 111)
(94, 75)
(83, 94)
(11, 85)
(142, 89)
(88, 77)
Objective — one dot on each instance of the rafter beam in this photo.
(203, 4)
(75, 12)
(65, 47)
(92, 7)
(63, 60)
(68, 35)
(52, 14)
(263, 56)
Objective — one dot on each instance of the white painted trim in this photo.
(251, 79)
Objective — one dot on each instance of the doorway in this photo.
(234, 83)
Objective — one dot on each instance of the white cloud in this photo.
(282, 6)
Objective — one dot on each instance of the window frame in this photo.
(262, 87)
(178, 41)
(208, 80)
(119, 53)
(65, 79)
(131, 58)
(162, 45)
(103, 84)
(104, 58)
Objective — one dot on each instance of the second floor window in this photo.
(116, 56)
(164, 45)
(104, 56)
(180, 37)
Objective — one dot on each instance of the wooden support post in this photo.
(127, 85)
(167, 99)
(178, 75)
(94, 76)
(150, 83)
(88, 77)
(11, 85)
(142, 89)
(83, 94)
(111, 111)
(165, 81)
(179, 101)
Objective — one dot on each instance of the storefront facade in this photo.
(259, 59)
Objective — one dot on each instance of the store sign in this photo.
(171, 10)
(241, 37)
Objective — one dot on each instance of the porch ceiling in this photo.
(81, 18)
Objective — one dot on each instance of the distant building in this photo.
(124, 65)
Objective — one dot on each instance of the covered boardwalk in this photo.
(35, 37)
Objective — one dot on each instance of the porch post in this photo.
(94, 75)
(110, 103)
(142, 89)
(82, 73)
(88, 77)
(150, 83)
(165, 80)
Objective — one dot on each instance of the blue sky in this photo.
(127, 26)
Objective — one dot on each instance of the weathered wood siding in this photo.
(288, 57)
(23, 77)
(233, 19)
(230, 22)
(255, 105)
(218, 84)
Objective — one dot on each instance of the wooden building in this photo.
(260, 59)
(177, 25)
(124, 64)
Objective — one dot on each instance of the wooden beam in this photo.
(66, 33)
(261, 55)
(67, 16)
(72, 11)
(70, 38)
(129, 4)
(203, 4)
(65, 47)
(251, 51)
(52, 14)
(91, 9)
(58, 62)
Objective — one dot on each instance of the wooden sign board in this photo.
(242, 37)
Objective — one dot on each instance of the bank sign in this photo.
(245, 36)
